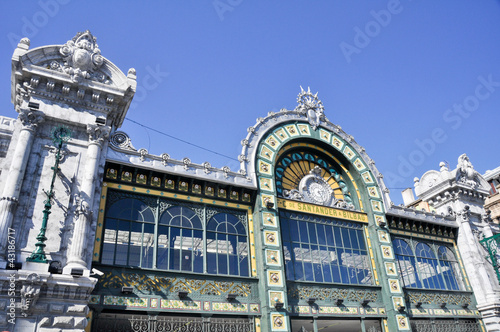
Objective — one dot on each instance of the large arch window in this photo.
(180, 240)
(148, 232)
(429, 265)
(324, 250)
(227, 246)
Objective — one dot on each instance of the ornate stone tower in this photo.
(61, 92)
(462, 193)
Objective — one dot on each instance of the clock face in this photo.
(312, 176)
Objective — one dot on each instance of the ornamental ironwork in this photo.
(491, 244)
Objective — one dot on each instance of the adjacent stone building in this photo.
(97, 235)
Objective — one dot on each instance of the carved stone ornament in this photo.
(122, 141)
(30, 292)
(82, 58)
(465, 214)
(310, 106)
(82, 207)
(465, 172)
(313, 188)
(97, 133)
(30, 119)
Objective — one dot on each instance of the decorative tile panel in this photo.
(133, 302)
(141, 179)
(302, 309)
(304, 129)
(377, 206)
(281, 134)
(387, 252)
(95, 299)
(394, 286)
(292, 130)
(275, 296)
(264, 168)
(272, 141)
(273, 257)
(337, 143)
(380, 220)
(269, 219)
(383, 237)
(229, 307)
(271, 238)
(154, 303)
(278, 322)
(266, 184)
(398, 301)
(390, 269)
(373, 192)
(180, 305)
(274, 278)
(325, 135)
(367, 177)
(402, 322)
(338, 310)
(359, 164)
(156, 181)
(266, 153)
(255, 308)
(349, 153)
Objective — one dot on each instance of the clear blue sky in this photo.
(397, 75)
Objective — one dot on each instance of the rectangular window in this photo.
(324, 250)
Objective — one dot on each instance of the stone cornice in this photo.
(430, 217)
(44, 72)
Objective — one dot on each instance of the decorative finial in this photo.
(311, 106)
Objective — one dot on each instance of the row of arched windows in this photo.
(136, 234)
(427, 265)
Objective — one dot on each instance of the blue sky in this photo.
(415, 82)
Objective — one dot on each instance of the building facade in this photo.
(97, 235)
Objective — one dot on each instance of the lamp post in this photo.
(60, 135)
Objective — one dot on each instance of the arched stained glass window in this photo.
(180, 240)
(227, 246)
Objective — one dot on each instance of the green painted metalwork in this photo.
(60, 135)
(491, 244)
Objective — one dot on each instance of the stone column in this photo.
(14, 180)
(471, 255)
(84, 200)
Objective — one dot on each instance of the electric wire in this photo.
(181, 140)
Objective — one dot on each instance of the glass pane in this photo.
(162, 251)
(148, 244)
(174, 248)
(321, 234)
(329, 235)
(285, 230)
(211, 253)
(303, 232)
(108, 247)
(243, 255)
